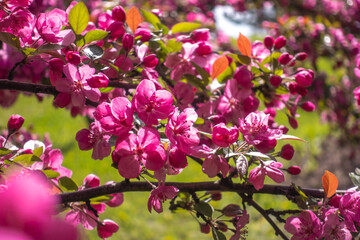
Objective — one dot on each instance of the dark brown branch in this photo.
(27, 87)
(254, 204)
(86, 194)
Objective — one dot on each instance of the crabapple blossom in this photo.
(159, 195)
(107, 228)
(224, 136)
(50, 24)
(287, 152)
(268, 168)
(333, 228)
(349, 209)
(99, 80)
(14, 123)
(214, 165)
(306, 226)
(142, 148)
(152, 104)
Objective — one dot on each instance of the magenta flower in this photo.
(224, 136)
(180, 130)
(118, 198)
(333, 228)
(94, 139)
(159, 195)
(107, 228)
(214, 165)
(356, 93)
(142, 148)
(184, 94)
(268, 168)
(306, 226)
(240, 223)
(152, 104)
(50, 24)
(15, 122)
(76, 85)
(116, 117)
(255, 128)
(349, 209)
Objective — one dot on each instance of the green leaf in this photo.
(4, 151)
(51, 174)
(217, 235)
(92, 36)
(355, 179)
(255, 70)
(10, 39)
(203, 73)
(101, 199)
(68, 184)
(163, 28)
(185, 27)
(227, 74)
(106, 90)
(28, 51)
(245, 60)
(173, 46)
(204, 208)
(193, 80)
(151, 18)
(273, 56)
(199, 121)
(38, 151)
(79, 18)
(27, 159)
(263, 68)
(49, 47)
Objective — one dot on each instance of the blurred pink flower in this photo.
(268, 168)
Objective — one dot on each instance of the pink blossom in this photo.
(118, 14)
(275, 80)
(159, 195)
(255, 128)
(94, 139)
(99, 80)
(150, 61)
(73, 57)
(224, 136)
(201, 34)
(117, 198)
(356, 93)
(184, 94)
(349, 209)
(268, 168)
(239, 223)
(244, 77)
(76, 85)
(136, 149)
(304, 78)
(127, 42)
(14, 123)
(333, 228)
(18, 3)
(80, 214)
(107, 228)
(144, 33)
(116, 117)
(50, 24)
(214, 165)
(280, 42)
(152, 104)
(306, 226)
(180, 130)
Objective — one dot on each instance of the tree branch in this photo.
(89, 193)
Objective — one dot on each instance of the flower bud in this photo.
(73, 57)
(269, 42)
(294, 170)
(287, 152)
(222, 226)
(232, 210)
(98, 80)
(204, 48)
(91, 180)
(275, 80)
(304, 78)
(202, 34)
(216, 196)
(144, 33)
(14, 123)
(224, 136)
(292, 88)
(205, 228)
(285, 58)
(280, 42)
(150, 61)
(107, 228)
(293, 122)
(56, 64)
(116, 29)
(301, 56)
(308, 106)
(127, 42)
(243, 77)
(266, 146)
(118, 14)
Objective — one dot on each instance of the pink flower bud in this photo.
(294, 170)
(285, 58)
(202, 34)
(204, 48)
(269, 42)
(224, 136)
(243, 77)
(292, 88)
(91, 180)
(205, 228)
(275, 80)
(287, 152)
(107, 228)
(216, 196)
(150, 61)
(266, 145)
(98, 80)
(144, 33)
(304, 78)
(14, 123)
(232, 210)
(222, 226)
(62, 100)
(128, 42)
(280, 42)
(73, 57)
(301, 56)
(293, 122)
(308, 106)
(301, 90)
(56, 64)
(118, 14)
(283, 129)
(117, 29)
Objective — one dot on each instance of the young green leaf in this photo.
(10, 39)
(79, 18)
(151, 18)
(185, 27)
(68, 184)
(94, 35)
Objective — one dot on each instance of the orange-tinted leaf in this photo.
(219, 66)
(133, 18)
(330, 183)
(244, 45)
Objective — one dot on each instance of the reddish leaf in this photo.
(330, 183)
(133, 18)
(244, 45)
(219, 66)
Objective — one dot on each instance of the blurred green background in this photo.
(134, 220)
